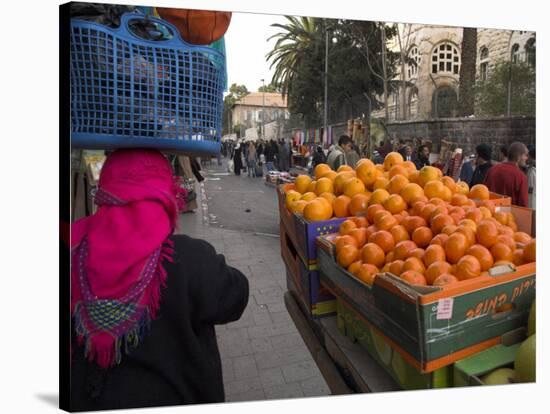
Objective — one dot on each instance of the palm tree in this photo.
(467, 76)
(288, 53)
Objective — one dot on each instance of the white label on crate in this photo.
(445, 308)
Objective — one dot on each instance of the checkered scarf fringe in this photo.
(106, 327)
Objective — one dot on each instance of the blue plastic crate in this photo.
(130, 92)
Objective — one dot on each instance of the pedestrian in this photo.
(531, 178)
(252, 159)
(467, 169)
(422, 157)
(507, 178)
(503, 153)
(385, 148)
(483, 164)
(144, 301)
(283, 156)
(401, 148)
(353, 156)
(269, 156)
(337, 157)
(319, 156)
(408, 153)
(237, 159)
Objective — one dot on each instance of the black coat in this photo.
(480, 172)
(178, 361)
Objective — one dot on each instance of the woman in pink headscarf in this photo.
(144, 301)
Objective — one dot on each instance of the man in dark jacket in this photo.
(423, 157)
(483, 164)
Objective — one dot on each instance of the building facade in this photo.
(248, 111)
(432, 80)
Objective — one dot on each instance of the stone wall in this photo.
(467, 133)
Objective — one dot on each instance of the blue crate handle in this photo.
(124, 30)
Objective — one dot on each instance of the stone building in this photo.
(248, 110)
(432, 84)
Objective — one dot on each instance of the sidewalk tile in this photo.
(292, 390)
(300, 371)
(245, 367)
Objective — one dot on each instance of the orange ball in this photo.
(434, 253)
(373, 254)
(414, 278)
(384, 239)
(468, 267)
(422, 236)
(435, 270)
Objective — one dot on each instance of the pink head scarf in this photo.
(117, 253)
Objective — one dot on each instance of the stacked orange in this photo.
(421, 226)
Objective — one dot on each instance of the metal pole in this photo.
(325, 117)
(509, 101)
(263, 109)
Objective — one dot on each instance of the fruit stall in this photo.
(401, 278)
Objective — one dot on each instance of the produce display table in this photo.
(346, 367)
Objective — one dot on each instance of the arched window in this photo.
(515, 53)
(414, 62)
(530, 52)
(483, 63)
(446, 59)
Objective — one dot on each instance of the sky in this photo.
(246, 46)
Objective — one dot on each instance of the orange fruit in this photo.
(449, 229)
(397, 183)
(417, 207)
(483, 256)
(370, 230)
(381, 183)
(434, 189)
(372, 210)
(309, 196)
(501, 251)
(414, 278)
(440, 239)
(389, 257)
(468, 223)
(409, 165)
(505, 231)
(459, 199)
(413, 222)
(387, 222)
(439, 209)
(367, 172)
(398, 169)
(440, 221)
(360, 235)
(414, 263)
(399, 233)
(379, 196)
(469, 233)
(449, 183)
(324, 185)
(316, 210)
(427, 211)
(427, 174)
(379, 214)
(513, 226)
(359, 204)
(330, 197)
(354, 267)
(395, 204)
(455, 247)
(462, 188)
(485, 213)
(384, 239)
(347, 226)
(393, 158)
(507, 240)
(403, 249)
(530, 251)
(467, 267)
(373, 254)
(345, 240)
(418, 253)
(422, 236)
(354, 186)
(311, 187)
(504, 263)
(521, 237)
(444, 280)
(340, 205)
(517, 257)
(411, 191)
(414, 176)
(479, 192)
(331, 175)
(298, 206)
(347, 255)
(320, 170)
(343, 168)
(488, 204)
(435, 270)
(399, 217)
(360, 221)
(434, 253)
(475, 215)
(396, 267)
(486, 233)
(458, 211)
(367, 272)
(302, 183)
(328, 212)
(291, 196)
(340, 180)
(385, 269)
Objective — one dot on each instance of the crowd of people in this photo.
(258, 157)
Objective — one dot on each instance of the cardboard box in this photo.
(407, 377)
(469, 371)
(413, 318)
(317, 300)
(303, 233)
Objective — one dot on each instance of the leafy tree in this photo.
(492, 94)
(236, 92)
(271, 88)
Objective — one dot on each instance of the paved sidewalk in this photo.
(263, 355)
